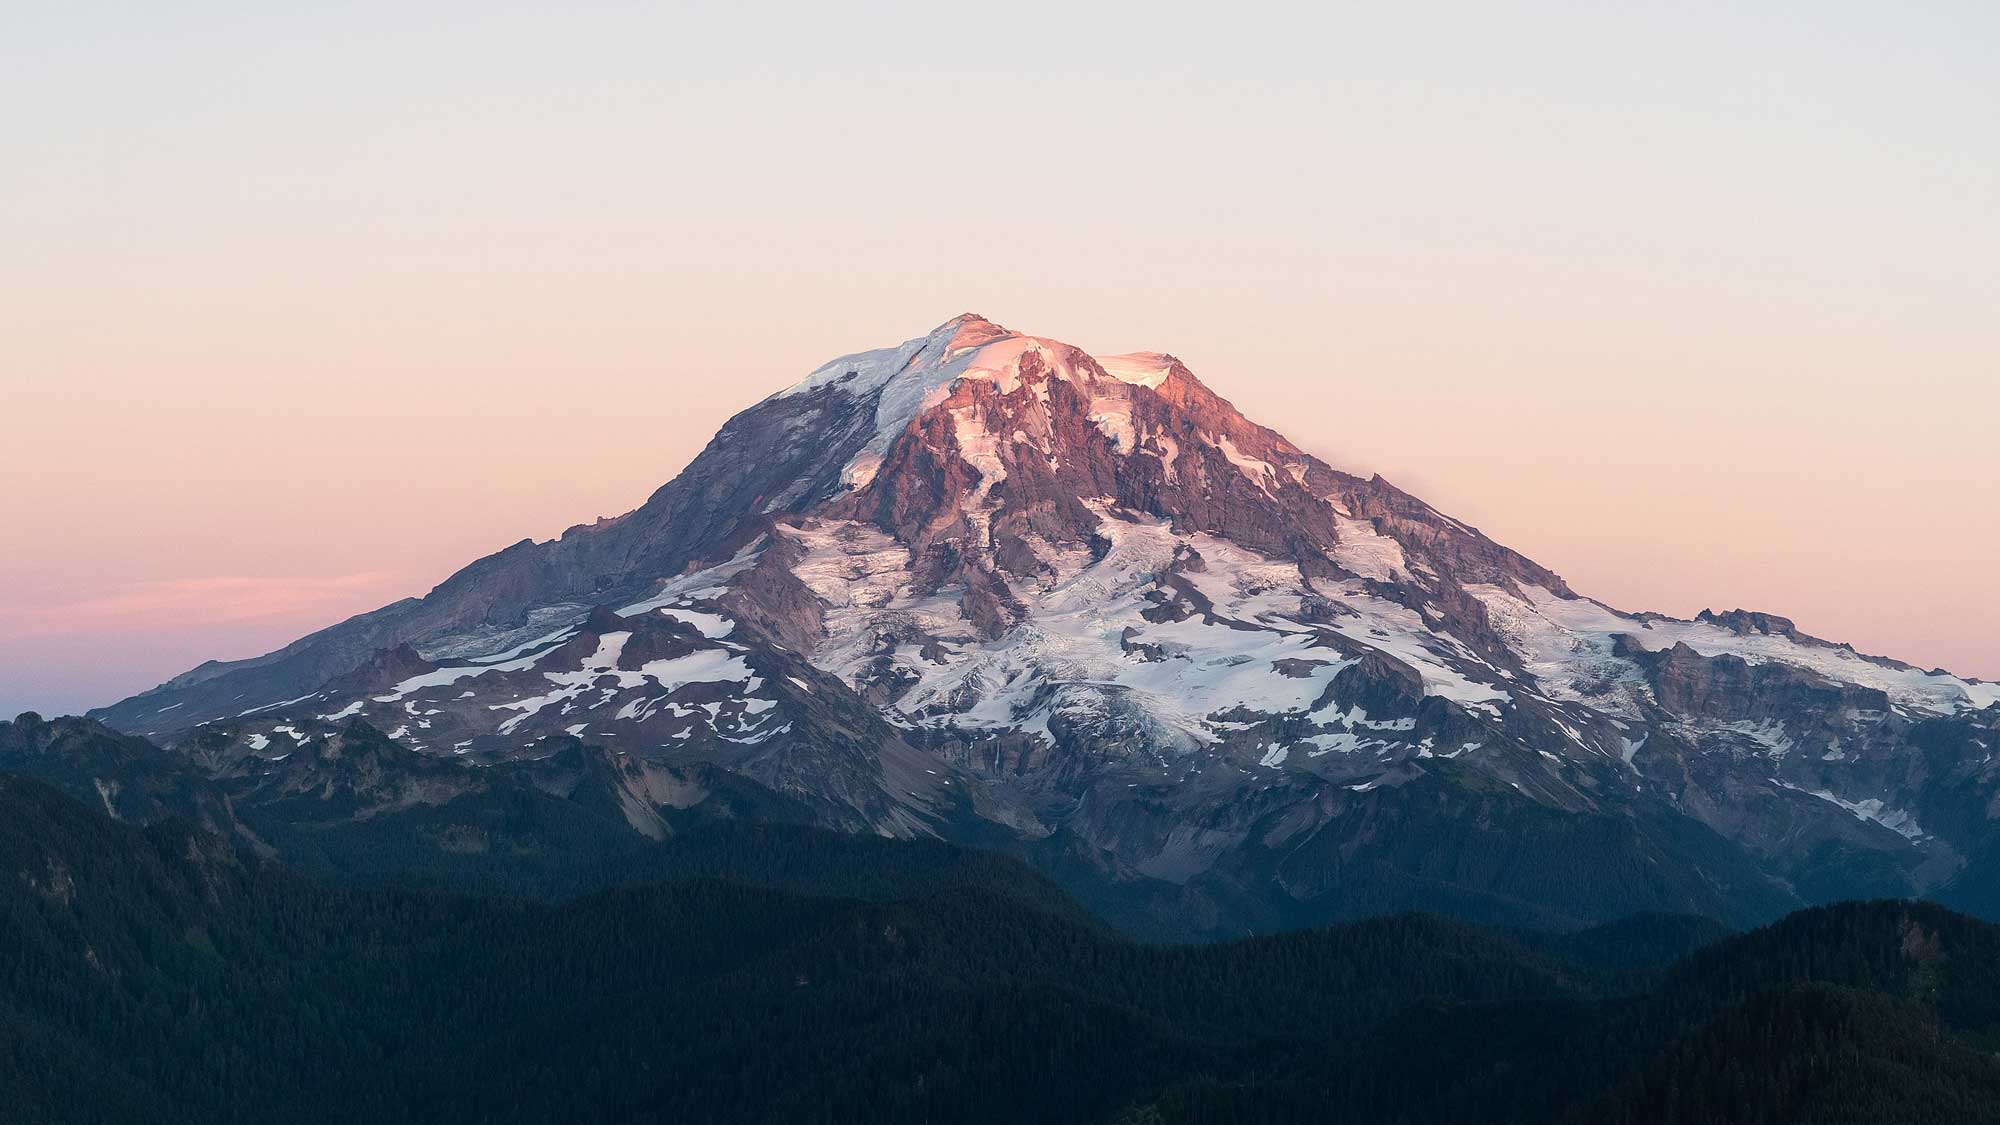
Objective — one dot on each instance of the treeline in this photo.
(158, 976)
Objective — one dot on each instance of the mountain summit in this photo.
(987, 586)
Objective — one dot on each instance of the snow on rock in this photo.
(1873, 809)
(1438, 657)
(906, 378)
(267, 706)
(979, 446)
(1567, 643)
(918, 374)
(1086, 643)
(704, 665)
(443, 676)
(1112, 415)
(348, 711)
(545, 641)
(1144, 369)
(1364, 551)
(700, 585)
(1260, 473)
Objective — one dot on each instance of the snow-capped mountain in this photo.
(985, 585)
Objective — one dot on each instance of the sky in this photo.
(304, 306)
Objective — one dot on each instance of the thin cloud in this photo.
(178, 603)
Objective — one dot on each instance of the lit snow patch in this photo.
(1113, 418)
(1364, 551)
(919, 374)
(978, 447)
(1260, 473)
(1144, 369)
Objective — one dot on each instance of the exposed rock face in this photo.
(127, 777)
(1729, 688)
(986, 585)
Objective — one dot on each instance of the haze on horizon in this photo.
(304, 309)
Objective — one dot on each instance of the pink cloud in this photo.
(175, 603)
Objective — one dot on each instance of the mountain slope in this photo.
(985, 586)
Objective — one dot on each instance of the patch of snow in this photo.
(1898, 821)
(1339, 742)
(1260, 473)
(1143, 369)
(549, 640)
(1438, 657)
(1567, 644)
(709, 582)
(979, 447)
(441, 677)
(1364, 551)
(1113, 417)
(267, 706)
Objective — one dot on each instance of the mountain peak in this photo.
(962, 322)
(985, 576)
(922, 372)
(971, 346)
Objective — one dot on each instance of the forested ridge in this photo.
(767, 973)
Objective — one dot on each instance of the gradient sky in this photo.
(304, 306)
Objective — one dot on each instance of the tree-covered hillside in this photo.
(159, 975)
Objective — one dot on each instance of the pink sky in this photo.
(1696, 312)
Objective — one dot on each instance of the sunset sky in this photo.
(302, 309)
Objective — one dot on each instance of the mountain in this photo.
(985, 587)
(159, 975)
